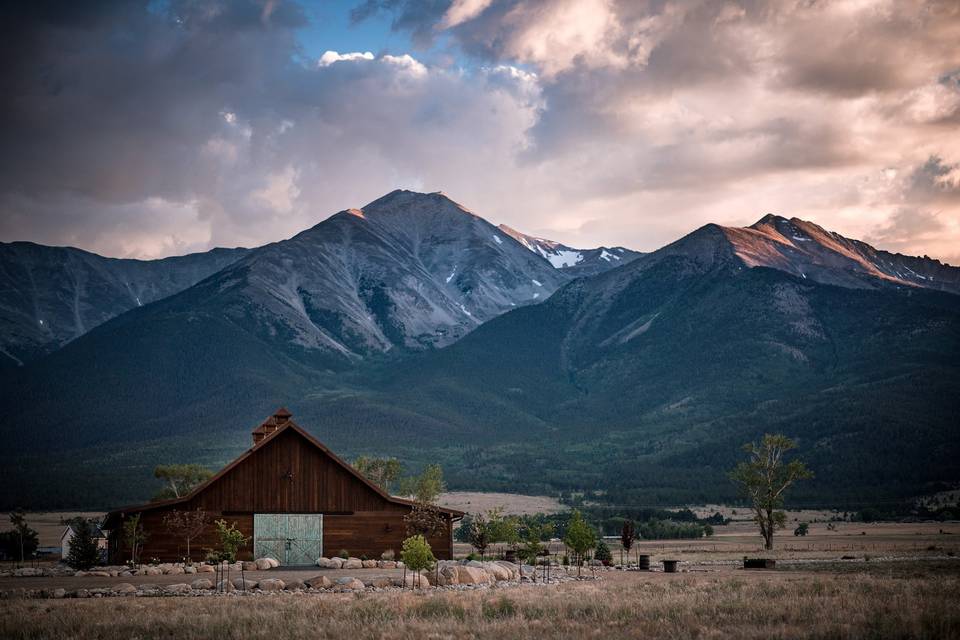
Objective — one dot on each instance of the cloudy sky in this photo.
(147, 129)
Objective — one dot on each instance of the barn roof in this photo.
(276, 427)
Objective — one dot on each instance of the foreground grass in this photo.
(777, 605)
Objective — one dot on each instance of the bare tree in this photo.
(186, 524)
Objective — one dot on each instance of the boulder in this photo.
(411, 581)
(190, 569)
(447, 575)
(319, 582)
(497, 572)
(124, 588)
(206, 568)
(274, 563)
(512, 567)
(263, 564)
(472, 575)
(125, 574)
(294, 585)
(150, 571)
(353, 563)
(80, 574)
(242, 582)
(379, 582)
(178, 588)
(336, 563)
(173, 571)
(387, 564)
(329, 563)
(271, 584)
(201, 584)
(369, 564)
(249, 565)
(349, 584)
(102, 574)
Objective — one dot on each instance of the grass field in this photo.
(871, 602)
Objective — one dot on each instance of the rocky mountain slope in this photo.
(576, 262)
(51, 295)
(642, 381)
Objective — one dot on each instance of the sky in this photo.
(154, 128)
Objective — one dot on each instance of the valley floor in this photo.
(875, 600)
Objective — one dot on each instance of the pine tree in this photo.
(83, 552)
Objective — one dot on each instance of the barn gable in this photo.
(287, 480)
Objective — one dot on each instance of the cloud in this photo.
(144, 128)
(329, 57)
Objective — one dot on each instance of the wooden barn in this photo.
(293, 497)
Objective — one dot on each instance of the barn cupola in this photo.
(271, 424)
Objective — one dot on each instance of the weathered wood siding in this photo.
(288, 474)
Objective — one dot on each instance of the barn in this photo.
(293, 497)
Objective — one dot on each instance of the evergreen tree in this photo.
(83, 552)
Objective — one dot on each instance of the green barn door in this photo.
(292, 538)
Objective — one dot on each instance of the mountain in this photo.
(407, 271)
(643, 381)
(640, 382)
(576, 262)
(51, 295)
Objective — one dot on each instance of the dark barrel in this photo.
(670, 566)
(643, 563)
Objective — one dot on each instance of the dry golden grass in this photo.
(920, 603)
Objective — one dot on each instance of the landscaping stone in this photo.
(369, 564)
(149, 571)
(381, 582)
(263, 564)
(201, 584)
(243, 582)
(295, 585)
(274, 563)
(205, 568)
(353, 563)
(472, 575)
(178, 588)
(124, 588)
(249, 565)
(387, 564)
(271, 584)
(349, 584)
(59, 593)
(320, 582)
(190, 569)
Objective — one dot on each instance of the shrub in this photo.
(388, 555)
(602, 553)
(343, 554)
(417, 554)
(231, 539)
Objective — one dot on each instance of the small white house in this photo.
(97, 533)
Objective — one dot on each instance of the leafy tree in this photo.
(417, 554)
(426, 487)
(231, 540)
(383, 472)
(186, 524)
(580, 537)
(23, 541)
(134, 536)
(764, 478)
(532, 537)
(84, 552)
(480, 534)
(506, 529)
(602, 553)
(628, 534)
(425, 520)
(802, 529)
(180, 479)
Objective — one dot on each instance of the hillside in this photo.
(51, 295)
(641, 381)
